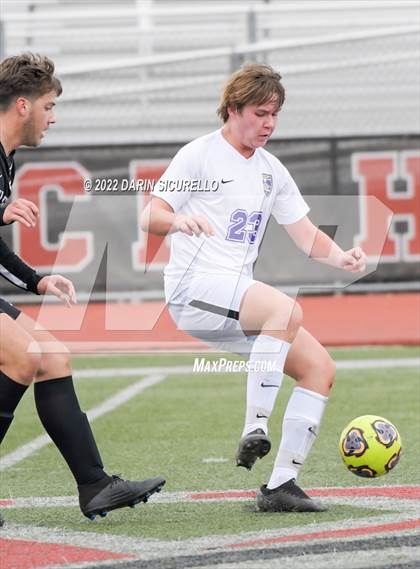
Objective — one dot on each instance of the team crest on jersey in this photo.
(267, 183)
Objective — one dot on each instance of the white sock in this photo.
(262, 385)
(300, 427)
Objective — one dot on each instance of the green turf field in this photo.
(172, 427)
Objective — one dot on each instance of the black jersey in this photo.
(12, 267)
(7, 175)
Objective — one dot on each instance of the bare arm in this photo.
(318, 246)
(159, 218)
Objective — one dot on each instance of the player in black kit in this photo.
(28, 89)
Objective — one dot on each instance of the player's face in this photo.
(255, 124)
(40, 117)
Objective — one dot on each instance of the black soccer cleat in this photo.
(1, 520)
(287, 498)
(113, 492)
(252, 446)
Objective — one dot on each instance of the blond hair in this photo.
(252, 84)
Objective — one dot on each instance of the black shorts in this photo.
(9, 309)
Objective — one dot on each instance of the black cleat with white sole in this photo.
(287, 498)
(252, 446)
(113, 492)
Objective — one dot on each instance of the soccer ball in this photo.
(370, 446)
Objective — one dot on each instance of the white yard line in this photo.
(129, 371)
(410, 506)
(383, 363)
(152, 548)
(172, 370)
(106, 406)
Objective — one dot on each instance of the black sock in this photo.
(11, 393)
(62, 418)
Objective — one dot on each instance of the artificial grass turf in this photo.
(184, 520)
(172, 427)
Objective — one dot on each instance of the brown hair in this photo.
(26, 75)
(255, 84)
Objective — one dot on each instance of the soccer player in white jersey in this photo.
(215, 199)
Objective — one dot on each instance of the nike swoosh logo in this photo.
(261, 416)
(227, 181)
(268, 385)
(296, 462)
(311, 430)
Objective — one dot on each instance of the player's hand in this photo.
(193, 225)
(60, 287)
(23, 211)
(353, 260)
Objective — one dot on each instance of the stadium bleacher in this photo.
(151, 71)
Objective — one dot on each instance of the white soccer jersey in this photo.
(209, 177)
